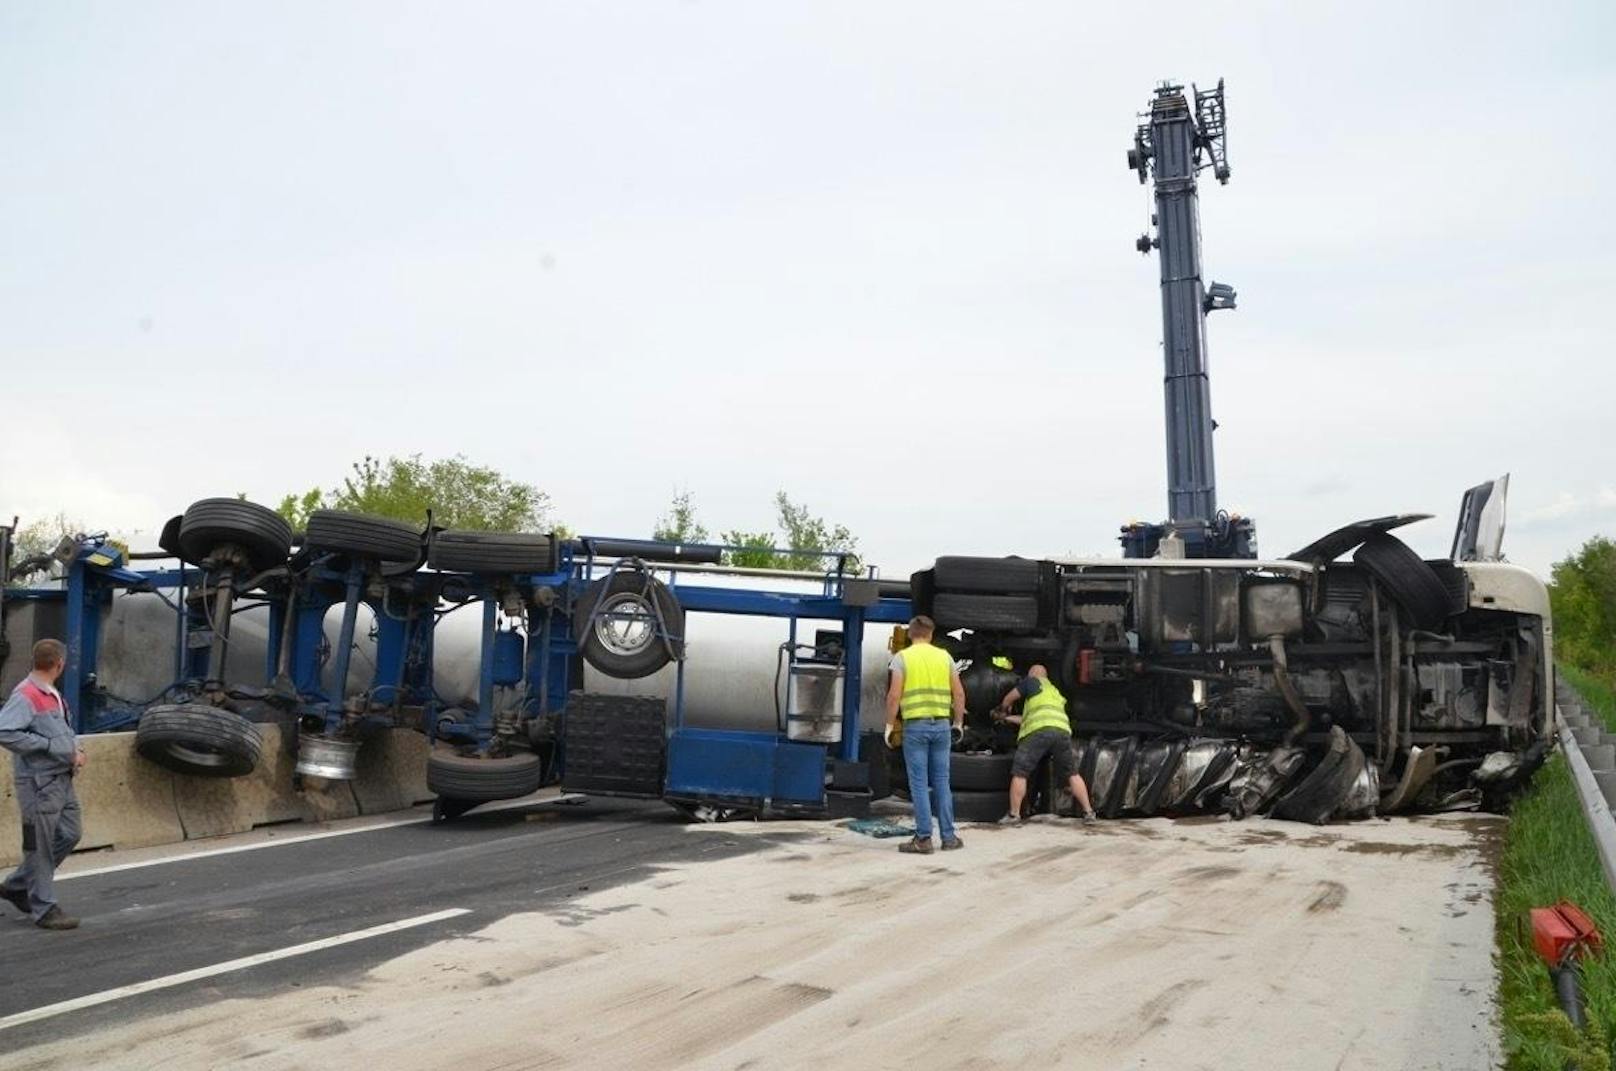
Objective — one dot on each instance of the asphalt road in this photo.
(189, 914)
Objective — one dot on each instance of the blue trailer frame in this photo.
(305, 674)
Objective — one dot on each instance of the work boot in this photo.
(952, 844)
(916, 846)
(17, 898)
(57, 919)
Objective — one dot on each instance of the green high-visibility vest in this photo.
(1046, 710)
(926, 674)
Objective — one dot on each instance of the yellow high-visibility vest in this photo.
(926, 674)
(1046, 710)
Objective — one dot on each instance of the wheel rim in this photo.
(625, 625)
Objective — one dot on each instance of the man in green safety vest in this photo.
(1045, 730)
(925, 689)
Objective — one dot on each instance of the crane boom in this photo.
(1172, 145)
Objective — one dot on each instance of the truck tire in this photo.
(460, 551)
(988, 576)
(979, 773)
(1410, 583)
(981, 806)
(998, 613)
(363, 535)
(479, 780)
(627, 647)
(199, 740)
(211, 523)
(922, 589)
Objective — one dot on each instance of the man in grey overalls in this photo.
(34, 727)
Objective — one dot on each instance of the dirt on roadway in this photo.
(1188, 944)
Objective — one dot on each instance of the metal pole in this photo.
(485, 671)
(80, 650)
(223, 601)
(345, 639)
(852, 680)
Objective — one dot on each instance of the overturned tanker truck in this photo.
(1200, 677)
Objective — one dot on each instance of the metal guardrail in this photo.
(1595, 788)
(1601, 823)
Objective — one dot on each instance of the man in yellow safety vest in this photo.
(925, 688)
(1045, 730)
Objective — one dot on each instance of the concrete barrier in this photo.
(211, 807)
(390, 772)
(127, 802)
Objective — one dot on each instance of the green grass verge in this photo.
(1548, 856)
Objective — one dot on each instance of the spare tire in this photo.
(615, 622)
(990, 576)
(363, 535)
(1411, 584)
(210, 523)
(479, 780)
(196, 739)
(979, 773)
(461, 551)
(999, 613)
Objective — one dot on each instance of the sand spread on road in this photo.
(1152, 943)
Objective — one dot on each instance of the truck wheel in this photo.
(199, 740)
(363, 535)
(622, 640)
(1411, 583)
(459, 551)
(991, 576)
(1001, 613)
(479, 780)
(260, 532)
(981, 806)
(979, 773)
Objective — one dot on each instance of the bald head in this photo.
(1040, 672)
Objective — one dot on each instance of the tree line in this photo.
(1582, 593)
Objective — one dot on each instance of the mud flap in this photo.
(1327, 786)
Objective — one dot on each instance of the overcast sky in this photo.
(877, 255)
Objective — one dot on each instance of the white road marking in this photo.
(300, 838)
(169, 981)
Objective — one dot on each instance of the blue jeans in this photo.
(926, 744)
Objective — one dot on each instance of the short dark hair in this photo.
(48, 654)
(922, 624)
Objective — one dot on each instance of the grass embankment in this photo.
(1549, 856)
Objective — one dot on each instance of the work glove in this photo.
(958, 732)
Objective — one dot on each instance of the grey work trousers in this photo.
(50, 830)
